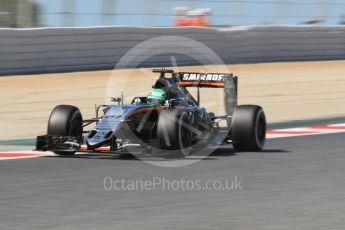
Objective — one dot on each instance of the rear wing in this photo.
(213, 80)
(206, 80)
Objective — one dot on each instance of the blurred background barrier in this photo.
(74, 35)
(43, 50)
(85, 13)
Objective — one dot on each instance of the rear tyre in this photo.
(66, 120)
(174, 134)
(248, 130)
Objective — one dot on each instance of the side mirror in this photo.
(116, 99)
(174, 102)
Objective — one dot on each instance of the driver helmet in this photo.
(156, 97)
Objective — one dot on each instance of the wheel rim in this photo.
(260, 129)
(184, 135)
(76, 126)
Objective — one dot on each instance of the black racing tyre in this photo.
(66, 120)
(248, 130)
(174, 134)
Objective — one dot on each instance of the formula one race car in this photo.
(168, 122)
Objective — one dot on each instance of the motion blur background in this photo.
(53, 61)
(79, 13)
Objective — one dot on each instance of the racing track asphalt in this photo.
(297, 183)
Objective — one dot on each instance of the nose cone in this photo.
(107, 125)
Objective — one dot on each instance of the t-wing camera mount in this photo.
(163, 71)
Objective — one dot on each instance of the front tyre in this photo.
(66, 120)
(174, 133)
(248, 130)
